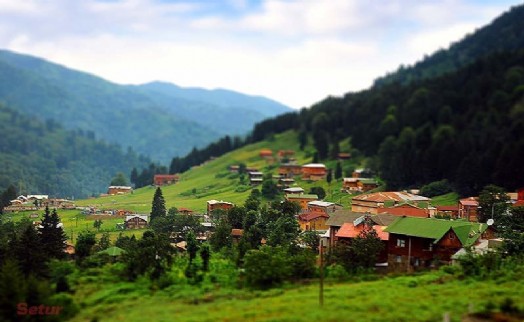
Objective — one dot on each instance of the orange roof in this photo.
(471, 201)
(237, 232)
(348, 230)
(390, 196)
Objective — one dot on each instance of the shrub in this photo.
(266, 267)
(337, 272)
(436, 188)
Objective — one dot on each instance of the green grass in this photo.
(425, 297)
(449, 199)
(212, 180)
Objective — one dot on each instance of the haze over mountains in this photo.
(159, 120)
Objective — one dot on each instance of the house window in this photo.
(451, 236)
(399, 259)
(401, 243)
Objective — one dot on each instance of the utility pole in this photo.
(321, 292)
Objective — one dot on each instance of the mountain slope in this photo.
(122, 114)
(505, 33)
(43, 158)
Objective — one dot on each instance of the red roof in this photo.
(469, 202)
(348, 230)
(311, 216)
(397, 196)
(519, 203)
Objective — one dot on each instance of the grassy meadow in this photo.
(424, 297)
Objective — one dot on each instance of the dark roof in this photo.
(339, 217)
(383, 219)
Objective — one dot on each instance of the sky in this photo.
(296, 52)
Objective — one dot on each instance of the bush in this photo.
(266, 267)
(337, 272)
(436, 188)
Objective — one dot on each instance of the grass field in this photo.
(213, 181)
(425, 297)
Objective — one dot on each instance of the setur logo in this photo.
(24, 309)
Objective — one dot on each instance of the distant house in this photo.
(314, 171)
(255, 177)
(286, 182)
(266, 154)
(371, 202)
(520, 198)
(301, 199)
(289, 170)
(362, 173)
(450, 211)
(215, 204)
(419, 242)
(165, 179)
(285, 154)
(185, 211)
(323, 207)
(467, 208)
(293, 190)
(236, 234)
(117, 190)
(409, 210)
(344, 156)
(313, 221)
(136, 221)
(234, 168)
(359, 184)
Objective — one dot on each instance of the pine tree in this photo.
(30, 253)
(52, 235)
(338, 171)
(158, 208)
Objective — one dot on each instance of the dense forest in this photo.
(44, 158)
(463, 124)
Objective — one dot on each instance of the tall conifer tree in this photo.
(158, 208)
(52, 235)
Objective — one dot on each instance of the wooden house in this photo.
(293, 190)
(289, 170)
(165, 179)
(285, 154)
(362, 173)
(450, 211)
(351, 230)
(467, 208)
(359, 184)
(236, 234)
(301, 199)
(406, 209)
(117, 190)
(419, 242)
(255, 177)
(266, 154)
(136, 221)
(323, 207)
(314, 171)
(215, 204)
(371, 202)
(344, 156)
(313, 221)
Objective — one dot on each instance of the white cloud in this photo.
(297, 52)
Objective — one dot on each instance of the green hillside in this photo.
(44, 158)
(212, 180)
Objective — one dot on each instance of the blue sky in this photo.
(297, 52)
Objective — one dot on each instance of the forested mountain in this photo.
(238, 112)
(505, 33)
(158, 120)
(44, 158)
(463, 124)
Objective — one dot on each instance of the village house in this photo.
(293, 190)
(359, 184)
(362, 173)
(136, 221)
(185, 211)
(117, 190)
(255, 177)
(467, 208)
(323, 207)
(301, 199)
(406, 209)
(351, 230)
(236, 234)
(215, 204)
(370, 203)
(344, 156)
(285, 182)
(448, 211)
(420, 242)
(289, 170)
(314, 171)
(285, 154)
(340, 217)
(234, 168)
(266, 154)
(165, 179)
(520, 198)
(313, 221)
